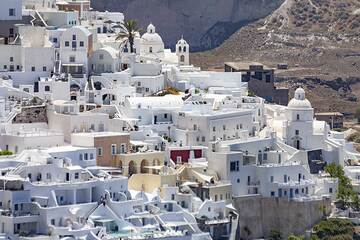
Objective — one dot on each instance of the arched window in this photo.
(47, 88)
(184, 49)
(182, 58)
(150, 49)
(179, 48)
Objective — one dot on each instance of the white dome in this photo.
(299, 94)
(299, 100)
(152, 38)
(151, 28)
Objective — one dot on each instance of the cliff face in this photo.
(204, 23)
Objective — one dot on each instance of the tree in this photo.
(275, 235)
(334, 228)
(346, 194)
(128, 30)
(294, 237)
(357, 114)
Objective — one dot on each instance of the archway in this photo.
(132, 168)
(144, 164)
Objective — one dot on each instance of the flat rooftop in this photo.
(329, 114)
(245, 65)
(101, 134)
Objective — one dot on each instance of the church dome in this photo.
(151, 37)
(299, 100)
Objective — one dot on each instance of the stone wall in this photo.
(259, 215)
(31, 114)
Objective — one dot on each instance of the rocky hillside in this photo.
(204, 23)
(320, 41)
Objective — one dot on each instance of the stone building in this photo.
(334, 119)
(260, 81)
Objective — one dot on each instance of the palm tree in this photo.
(128, 30)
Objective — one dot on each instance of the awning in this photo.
(205, 178)
(230, 206)
(195, 184)
(72, 64)
(154, 167)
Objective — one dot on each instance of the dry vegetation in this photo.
(320, 41)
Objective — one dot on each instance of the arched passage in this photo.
(144, 164)
(132, 168)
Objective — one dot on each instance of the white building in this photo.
(30, 57)
(76, 47)
(11, 10)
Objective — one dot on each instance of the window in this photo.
(80, 157)
(272, 179)
(11, 31)
(33, 69)
(272, 194)
(330, 190)
(47, 88)
(238, 180)
(224, 127)
(86, 156)
(195, 127)
(165, 115)
(55, 40)
(72, 59)
(184, 49)
(285, 178)
(67, 43)
(101, 56)
(182, 58)
(53, 222)
(150, 49)
(81, 43)
(268, 78)
(74, 37)
(73, 44)
(178, 159)
(11, 59)
(198, 139)
(297, 116)
(297, 132)
(11, 11)
(234, 166)
(76, 176)
(203, 139)
(214, 129)
(147, 89)
(123, 148)
(44, 69)
(5, 66)
(113, 149)
(91, 156)
(99, 151)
